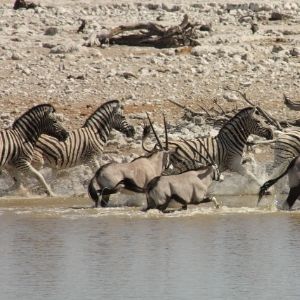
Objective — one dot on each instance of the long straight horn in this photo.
(195, 150)
(146, 132)
(156, 136)
(166, 134)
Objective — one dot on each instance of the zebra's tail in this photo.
(271, 182)
(93, 192)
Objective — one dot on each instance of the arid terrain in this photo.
(44, 59)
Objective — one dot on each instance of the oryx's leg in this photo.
(163, 207)
(104, 195)
(212, 199)
(28, 169)
(150, 204)
(104, 200)
(292, 197)
(180, 200)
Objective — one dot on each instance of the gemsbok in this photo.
(188, 187)
(133, 176)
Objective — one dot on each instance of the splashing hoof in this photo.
(217, 204)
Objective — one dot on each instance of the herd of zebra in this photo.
(180, 170)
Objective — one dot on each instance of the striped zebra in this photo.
(17, 144)
(286, 147)
(226, 148)
(85, 143)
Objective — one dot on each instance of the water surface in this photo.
(63, 249)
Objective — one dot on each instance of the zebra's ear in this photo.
(59, 117)
(115, 104)
(253, 111)
(117, 108)
(50, 110)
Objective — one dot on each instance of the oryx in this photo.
(133, 176)
(188, 187)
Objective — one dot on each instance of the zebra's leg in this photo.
(94, 164)
(235, 165)
(16, 176)
(30, 170)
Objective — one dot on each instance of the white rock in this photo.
(16, 56)
(230, 97)
(64, 48)
(295, 52)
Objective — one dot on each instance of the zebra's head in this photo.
(109, 116)
(40, 119)
(53, 126)
(258, 126)
(120, 124)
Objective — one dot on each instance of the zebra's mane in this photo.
(38, 108)
(245, 112)
(102, 108)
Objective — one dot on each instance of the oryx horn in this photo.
(166, 134)
(156, 136)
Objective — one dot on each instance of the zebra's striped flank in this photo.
(226, 148)
(17, 143)
(286, 146)
(84, 143)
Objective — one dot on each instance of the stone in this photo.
(277, 49)
(16, 56)
(295, 52)
(230, 97)
(51, 31)
(64, 48)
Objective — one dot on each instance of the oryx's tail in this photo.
(271, 182)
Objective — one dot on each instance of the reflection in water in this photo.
(51, 251)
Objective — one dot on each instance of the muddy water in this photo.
(62, 249)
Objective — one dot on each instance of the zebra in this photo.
(83, 143)
(287, 146)
(17, 143)
(226, 148)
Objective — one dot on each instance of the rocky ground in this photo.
(43, 59)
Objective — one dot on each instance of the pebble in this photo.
(230, 97)
(295, 52)
(51, 31)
